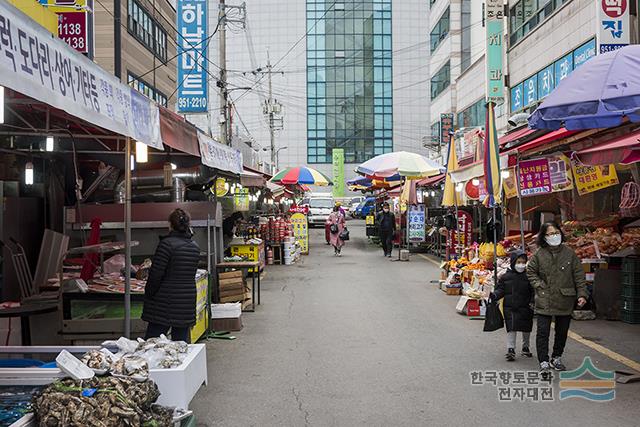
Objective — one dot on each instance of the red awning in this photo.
(520, 133)
(546, 139)
(177, 133)
(430, 181)
(623, 149)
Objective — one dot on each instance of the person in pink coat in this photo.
(337, 224)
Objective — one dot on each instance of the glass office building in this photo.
(349, 79)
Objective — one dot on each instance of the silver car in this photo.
(319, 210)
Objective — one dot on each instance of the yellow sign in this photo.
(222, 188)
(509, 184)
(197, 330)
(371, 220)
(593, 178)
(301, 231)
(38, 13)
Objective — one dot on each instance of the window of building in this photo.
(526, 15)
(145, 88)
(147, 30)
(349, 80)
(472, 116)
(465, 20)
(432, 2)
(440, 31)
(435, 133)
(441, 80)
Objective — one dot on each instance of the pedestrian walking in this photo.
(337, 225)
(170, 293)
(518, 296)
(556, 274)
(387, 227)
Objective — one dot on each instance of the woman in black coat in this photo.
(518, 296)
(170, 293)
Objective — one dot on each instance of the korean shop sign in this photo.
(593, 178)
(446, 126)
(535, 177)
(192, 56)
(494, 14)
(47, 69)
(542, 83)
(612, 20)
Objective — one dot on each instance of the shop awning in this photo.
(546, 139)
(427, 182)
(623, 149)
(520, 133)
(177, 133)
(475, 170)
(251, 179)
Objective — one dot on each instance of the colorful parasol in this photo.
(403, 163)
(300, 176)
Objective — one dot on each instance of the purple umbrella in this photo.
(599, 94)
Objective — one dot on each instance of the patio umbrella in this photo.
(300, 176)
(599, 94)
(403, 163)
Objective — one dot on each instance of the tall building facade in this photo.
(351, 75)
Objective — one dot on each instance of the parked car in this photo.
(366, 207)
(320, 207)
(355, 202)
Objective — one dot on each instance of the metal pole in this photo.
(117, 39)
(517, 178)
(456, 222)
(127, 240)
(222, 51)
(495, 248)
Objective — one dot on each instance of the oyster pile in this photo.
(100, 402)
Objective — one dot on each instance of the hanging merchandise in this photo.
(593, 178)
(630, 200)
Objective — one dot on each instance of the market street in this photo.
(362, 340)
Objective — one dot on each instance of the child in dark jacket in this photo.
(518, 296)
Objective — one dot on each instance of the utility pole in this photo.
(222, 83)
(272, 110)
(225, 113)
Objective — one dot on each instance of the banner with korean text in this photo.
(593, 178)
(219, 156)
(48, 70)
(535, 177)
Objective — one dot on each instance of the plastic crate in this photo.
(631, 265)
(631, 304)
(631, 292)
(631, 279)
(630, 316)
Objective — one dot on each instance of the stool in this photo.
(277, 253)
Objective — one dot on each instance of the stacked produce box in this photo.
(631, 290)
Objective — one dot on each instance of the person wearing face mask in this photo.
(518, 296)
(387, 227)
(556, 274)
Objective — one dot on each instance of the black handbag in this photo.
(493, 320)
(334, 228)
(344, 236)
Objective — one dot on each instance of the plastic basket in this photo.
(630, 316)
(631, 304)
(631, 292)
(631, 279)
(631, 265)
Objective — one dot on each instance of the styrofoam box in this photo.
(179, 385)
(226, 311)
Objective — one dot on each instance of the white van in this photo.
(320, 207)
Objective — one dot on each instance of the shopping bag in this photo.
(493, 320)
(344, 236)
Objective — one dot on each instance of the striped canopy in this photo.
(300, 175)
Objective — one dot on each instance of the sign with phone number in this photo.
(72, 28)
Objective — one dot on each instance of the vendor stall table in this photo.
(24, 312)
(247, 266)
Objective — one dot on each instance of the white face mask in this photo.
(554, 240)
(520, 267)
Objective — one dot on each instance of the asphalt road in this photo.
(362, 340)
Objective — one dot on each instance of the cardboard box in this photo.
(453, 291)
(227, 324)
